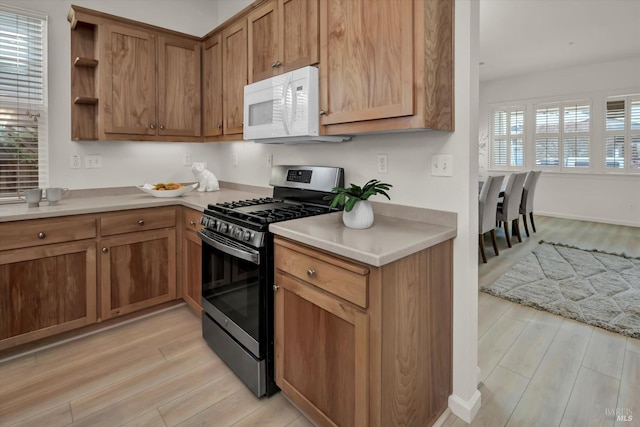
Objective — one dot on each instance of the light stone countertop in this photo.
(389, 239)
(104, 201)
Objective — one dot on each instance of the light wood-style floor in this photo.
(537, 368)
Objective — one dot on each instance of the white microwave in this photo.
(284, 109)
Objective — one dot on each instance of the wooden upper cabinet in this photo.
(129, 80)
(367, 61)
(234, 76)
(212, 86)
(386, 65)
(178, 87)
(299, 33)
(283, 36)
(263, 46)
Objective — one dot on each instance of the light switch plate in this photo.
(93, 161)
(442, 165)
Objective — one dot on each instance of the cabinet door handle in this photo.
(162, 127)
(41, 235)
(275, 288)
(219, 126)
(192, 222)
(311, 272)
(105, 250)
(322, 112)
(276, 64)
(152, 126)
(141, 222)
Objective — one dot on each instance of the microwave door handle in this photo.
(250, 256)
(285, 91)
(294, 103)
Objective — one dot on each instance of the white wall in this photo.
(124, 163)
(610, 198)
(129, 163)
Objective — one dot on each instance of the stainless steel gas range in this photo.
(237, 268)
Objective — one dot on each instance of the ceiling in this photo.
(524, 36)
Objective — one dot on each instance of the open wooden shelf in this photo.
(85, 100)
(85, 62)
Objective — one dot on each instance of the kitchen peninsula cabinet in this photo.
(362, 345)
(386, 65)
(47, 278)
(191, 259)
(283, 36)
(137, 260)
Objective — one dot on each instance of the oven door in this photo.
(234, 289)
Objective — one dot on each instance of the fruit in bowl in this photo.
(170, 189)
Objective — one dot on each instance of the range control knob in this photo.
(224, 227)
(204, 221)
(247, 236)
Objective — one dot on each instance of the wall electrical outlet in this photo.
(235, 159)
(442, 165)
(269, 160)
(382, 163)
(93, 161)
(76, 161)
(186, 160)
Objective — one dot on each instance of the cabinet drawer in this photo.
(335, 275)
(22, 234)
(137, 220)
(191, 219)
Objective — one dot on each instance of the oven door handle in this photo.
(247, 255)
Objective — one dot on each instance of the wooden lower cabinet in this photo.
(46, 290)
(137, 270)
(191, 259)
(379, 359)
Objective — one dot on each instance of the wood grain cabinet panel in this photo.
(234, 76)
(387, 363)
(178, 87)
(386, 65)
(191, 259)
(212, 86)
(129, 81)
(299, 33)
(22, 234)
(46, 290)
(137, 220)
(263, 47)
(137, 270)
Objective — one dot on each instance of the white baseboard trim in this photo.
(465, 410)
(586, 218)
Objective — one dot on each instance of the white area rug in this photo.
(593, 287)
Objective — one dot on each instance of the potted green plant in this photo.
(358, 213)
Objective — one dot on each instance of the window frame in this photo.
(30, 109)
(508, 137)
(627, 133)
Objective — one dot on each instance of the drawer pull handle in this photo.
(311, 272)
(41, 235)
(275, 288)
(141, 222)
(192, 222)
(105, 250)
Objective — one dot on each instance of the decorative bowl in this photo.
(148, 188)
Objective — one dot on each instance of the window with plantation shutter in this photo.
(622, 134)
(507, 138)
(23, 101)
(563, 135)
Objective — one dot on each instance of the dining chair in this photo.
(526, 204)
(509, 209)
(488, 203)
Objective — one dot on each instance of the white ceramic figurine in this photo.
(206, 178)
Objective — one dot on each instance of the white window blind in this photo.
(563, 135)
(23, 101)
(622, 134)
(507, 138)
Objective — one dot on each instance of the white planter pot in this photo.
(360, 217)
